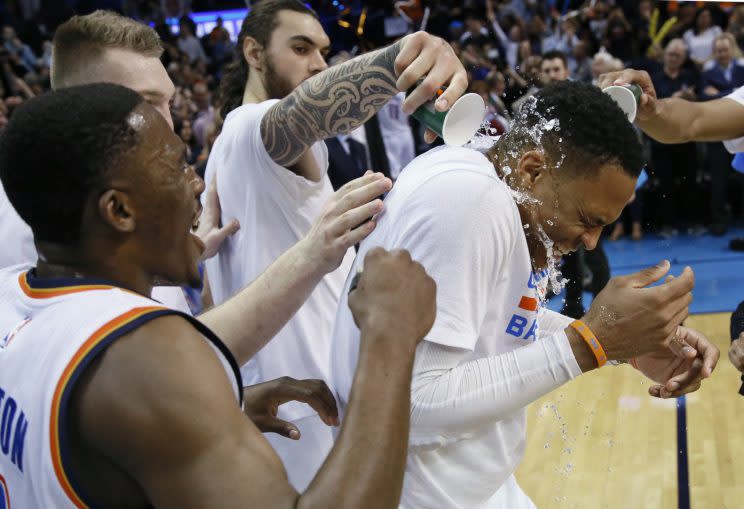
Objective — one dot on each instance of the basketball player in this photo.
(271, 166)
(110, 399)
(105, 46)
(488, 227)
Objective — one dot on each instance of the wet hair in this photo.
(579, 127)
(81, 40)
(59, 148)
(259, 24)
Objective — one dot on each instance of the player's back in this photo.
(51, 330)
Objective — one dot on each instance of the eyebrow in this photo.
(308, 40)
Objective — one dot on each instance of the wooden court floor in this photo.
(600, 442)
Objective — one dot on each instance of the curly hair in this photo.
(58, 149)
(579, 127)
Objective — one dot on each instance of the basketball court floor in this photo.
(600, 442)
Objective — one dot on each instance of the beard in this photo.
(276, 86)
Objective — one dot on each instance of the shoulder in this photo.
(247, 116)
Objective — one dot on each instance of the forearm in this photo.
(250, 319)
(451, 399)
(365, 468)
(678, 121)
(336, 101)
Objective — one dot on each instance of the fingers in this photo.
(350, 219)
(706, 350)
(736, 354)
(430, 136)
(269, 424)
(680, 285)
(659, 391)
(360, 194)
(457, 86)
(680, 348)
(647, 276)
(316, 394)
(368, 178)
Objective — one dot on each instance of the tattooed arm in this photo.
(343, 97)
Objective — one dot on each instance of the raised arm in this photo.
(343, 97)
(160, 409)
(675, 120)
(247, 321)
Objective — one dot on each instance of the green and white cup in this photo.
(627, 97)
(457, 125)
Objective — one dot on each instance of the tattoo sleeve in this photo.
(336, 101)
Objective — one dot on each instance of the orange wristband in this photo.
(591, 340)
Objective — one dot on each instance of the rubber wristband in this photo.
(591, 340)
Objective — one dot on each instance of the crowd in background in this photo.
(511, 48)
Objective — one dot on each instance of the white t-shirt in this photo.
(276, 208)
(737, 144)
(458, 219)
(701, 45)
(396, 134)
(19, 249)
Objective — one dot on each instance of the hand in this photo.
(209, 230)
(680, 368)
(647, 105)
(424, 55)
(630, 319)
(710, 90)
(736, 353)
(262, 403)
(394, 294)
(342, 222)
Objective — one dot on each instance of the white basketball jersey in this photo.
(51, 330)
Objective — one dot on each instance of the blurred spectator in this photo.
(554, 67)
(699, 38)
(675, 166)
(580, 66)
(720, 77)
(189, 44)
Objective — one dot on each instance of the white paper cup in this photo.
(627, 97)
(463, 120)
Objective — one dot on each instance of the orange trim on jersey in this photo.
(5, 492)
(47, 293)
(54, 435)
(528, 303)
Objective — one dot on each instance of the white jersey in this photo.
(51, 330)
(396, 134)
(16, 236)
(19, 249)
(458, 219)
(276, 208)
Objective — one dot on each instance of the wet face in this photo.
(145, 75)
(572, 210)
(553, 70)
(164, 195)
(296, 51)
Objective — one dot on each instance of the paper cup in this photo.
(627, 97)
(457, 125)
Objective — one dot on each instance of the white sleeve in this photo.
(450, 399)
(737, 144)
(550, 322)
(458, 225)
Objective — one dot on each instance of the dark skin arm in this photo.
(159, 405)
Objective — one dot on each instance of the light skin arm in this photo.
(159, 405)
(342, 98)
(250, 319)
(675, 120)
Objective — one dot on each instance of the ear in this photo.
(531, 167)
(253, 53)
(116, 210)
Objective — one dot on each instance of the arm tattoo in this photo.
(335, 101)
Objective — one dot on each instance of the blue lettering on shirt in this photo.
(13, 428)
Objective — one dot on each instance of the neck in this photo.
(725, 65)
(672, 73)
(254, 92)
(57, 261)
(507, 170)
